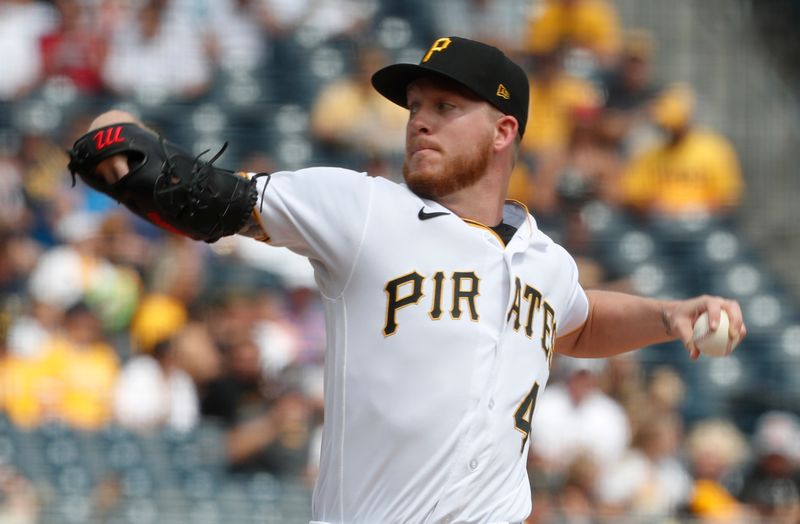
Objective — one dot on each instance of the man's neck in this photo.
(481, 202)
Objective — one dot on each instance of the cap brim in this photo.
(392, 81)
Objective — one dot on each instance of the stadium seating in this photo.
(163, 477)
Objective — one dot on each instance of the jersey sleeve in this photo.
(320, 213)
(577, 303)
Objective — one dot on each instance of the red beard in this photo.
(460, 172)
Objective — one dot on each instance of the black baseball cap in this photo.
(481, 68)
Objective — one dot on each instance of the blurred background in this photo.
(148, 379)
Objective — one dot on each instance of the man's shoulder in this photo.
(329, 176)
(323, 171)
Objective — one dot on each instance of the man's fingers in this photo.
(713, 309)
(685, 332)
(736, 327)
(115, 116)
(113, 169)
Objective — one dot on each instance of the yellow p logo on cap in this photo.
(439, 45)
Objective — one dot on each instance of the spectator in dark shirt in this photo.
(772, 486)
(269, 426)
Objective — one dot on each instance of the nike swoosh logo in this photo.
(422, 215)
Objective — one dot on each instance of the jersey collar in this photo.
(515, 214)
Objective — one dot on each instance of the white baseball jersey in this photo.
(439, 340)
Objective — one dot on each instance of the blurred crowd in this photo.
(107, 320)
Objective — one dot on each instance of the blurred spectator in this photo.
(177, 269)
(278, 340)
(59, 279)
(574, 416)
(239, 39)
(353, 121)
(623, 380)
(630, 85)
(154, 392)
(575, 499)
(123, 245)
(75, 48)
(78, 270)
(157, 57)
(291, 456)
(554, 95)
(286, 326)
(715, 448)
(241, 390)
(22, 24)
(500, 23)
(18, 256)
(5, 324)
(666, 390)
(85, 367)
(194, 352)
(31, 327)
(421, 16)
(649, 481)
(70, 379)
(325, 19)
(268, 427)
(661, 395)
(19, 503)
(305, 312)
(591, 25)
(14, 214)
(45, 179)
(630, 89)
(230, 314)
(281, 18)
(772, 485)
(158, 317)
(588, 167)
(695, 172)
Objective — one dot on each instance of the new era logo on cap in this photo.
(481, 68)
(502, 92)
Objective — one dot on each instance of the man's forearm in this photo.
(619, 322)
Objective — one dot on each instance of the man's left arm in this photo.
(619, 322)
(161, 182)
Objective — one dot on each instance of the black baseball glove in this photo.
(166, 185)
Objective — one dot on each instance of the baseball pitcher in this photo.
(444, 302)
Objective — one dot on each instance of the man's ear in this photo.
(506, 130)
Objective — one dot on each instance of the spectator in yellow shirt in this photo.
(587, 24)
(694, 172)
(355, 123)
(716, 449)
(554, 97)
(70, 380)
(554, 94)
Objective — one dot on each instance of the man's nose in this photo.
(418, 123)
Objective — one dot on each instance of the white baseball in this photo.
(713, 343)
